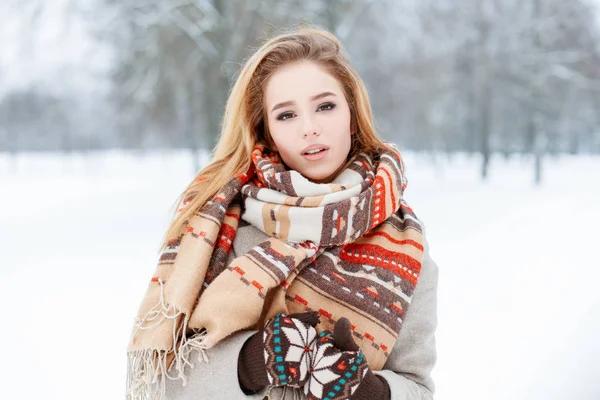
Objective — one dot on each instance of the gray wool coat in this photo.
(407, 371)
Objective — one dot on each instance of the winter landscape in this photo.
(103, 102)
(518, 288)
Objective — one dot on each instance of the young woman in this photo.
(293, 266)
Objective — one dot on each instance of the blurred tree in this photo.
(481, 76)
(177, 60)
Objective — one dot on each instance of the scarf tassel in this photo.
(147, 369)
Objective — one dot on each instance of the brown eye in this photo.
(282, 117)
(329, 106)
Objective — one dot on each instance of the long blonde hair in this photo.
(245, 122)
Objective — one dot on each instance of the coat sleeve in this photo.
(217, 379)
(408, 369)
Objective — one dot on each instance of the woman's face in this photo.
(306, 109)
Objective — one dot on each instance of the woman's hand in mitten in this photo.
(279, 354)
(339, 369)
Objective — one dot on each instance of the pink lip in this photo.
(316, 156)
(314, 146)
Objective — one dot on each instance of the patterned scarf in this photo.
(349, 248)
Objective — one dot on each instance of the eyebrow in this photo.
(289, 103)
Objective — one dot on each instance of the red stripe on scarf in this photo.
(395, 307)
(379, 195)
(407, 207)
(365, 164)
(402, 260)
(226, 237)
(391, 186)
(239, 270)
(257, 285)
(301, 300)
(232, 215)
(391, 239)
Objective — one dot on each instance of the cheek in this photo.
(276, 136)
(283, 147)
(339, 127)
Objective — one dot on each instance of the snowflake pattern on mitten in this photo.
(334, 374)
(288, 343)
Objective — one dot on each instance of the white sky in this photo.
(55, 50)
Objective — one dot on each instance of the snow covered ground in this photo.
(519, 294)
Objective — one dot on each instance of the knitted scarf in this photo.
(349, 248)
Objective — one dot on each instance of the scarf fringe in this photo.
(147, 369)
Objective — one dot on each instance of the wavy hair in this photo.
(245, 119)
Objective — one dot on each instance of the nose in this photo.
(310, 128)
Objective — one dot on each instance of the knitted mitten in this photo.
(279, 354)
(339, 369)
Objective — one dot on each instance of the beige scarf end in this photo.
(147, 370)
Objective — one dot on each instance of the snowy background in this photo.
(518, 289)
(96, 94)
